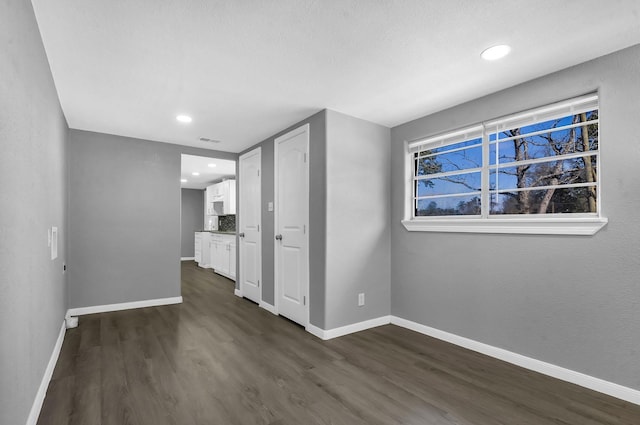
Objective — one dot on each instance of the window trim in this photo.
(585, 226)
(549, 224)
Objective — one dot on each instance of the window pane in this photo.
(451, 205)
(451, 147)
(459, 183)
(552, 173)
(550, 201)
(550, 124)
(451, 161)
(554, 143)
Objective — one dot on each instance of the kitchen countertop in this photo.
(217, 231)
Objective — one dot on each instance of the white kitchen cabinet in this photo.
(217, 189)
(229, 193)
(221, 198)
(217, 252)
(214, 193)
(232, 260)
(203, 261)
(223, 254)
(198, 247)
(208, 199)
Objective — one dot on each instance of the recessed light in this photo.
(195, 173)
(183, 180)
(211, 165)
(495, 52)
(184, 118)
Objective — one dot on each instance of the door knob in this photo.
(241, 235)
(278, 237)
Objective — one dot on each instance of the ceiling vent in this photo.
(205, 139)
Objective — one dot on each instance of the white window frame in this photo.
(549, 224)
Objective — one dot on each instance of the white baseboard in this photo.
(237, 292)
(122, 306)
(348, 329)
(587, 381)
(596, 384)
(187, 258)
(44, 384)
(270, 308)
(315, 331)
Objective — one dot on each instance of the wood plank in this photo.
(217, 358)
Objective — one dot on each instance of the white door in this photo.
(249, 226)
(291, 224)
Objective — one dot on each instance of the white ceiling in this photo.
(245, 69)
(222, 168)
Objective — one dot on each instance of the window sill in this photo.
(532, 226)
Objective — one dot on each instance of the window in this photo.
(532, 172)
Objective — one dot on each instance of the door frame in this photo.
(240, 276)
(305, 128)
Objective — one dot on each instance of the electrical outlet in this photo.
(360, 299)
(270, 206)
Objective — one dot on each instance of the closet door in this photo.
(291, 225)
(249, 226)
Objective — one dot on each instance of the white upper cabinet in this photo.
(208, 205)
(221, 198)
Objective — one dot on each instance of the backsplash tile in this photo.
(227, 223)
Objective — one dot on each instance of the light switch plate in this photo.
(270, 206)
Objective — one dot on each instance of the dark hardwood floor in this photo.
(219, 359)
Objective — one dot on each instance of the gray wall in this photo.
(358, 261)
(568, 300)
(191, 219)
(124, 216)
(317, 226)
(358, 216)
(33, 135)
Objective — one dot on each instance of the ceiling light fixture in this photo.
(211, 165)
(495, 52)
(183, 180)
(184, 119)
(195, 173)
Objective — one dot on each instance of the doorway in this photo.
(208, 235)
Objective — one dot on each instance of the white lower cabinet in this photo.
(217, 251)
(203, 258)
(232, 260)
(222, 251)
(198, 247)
